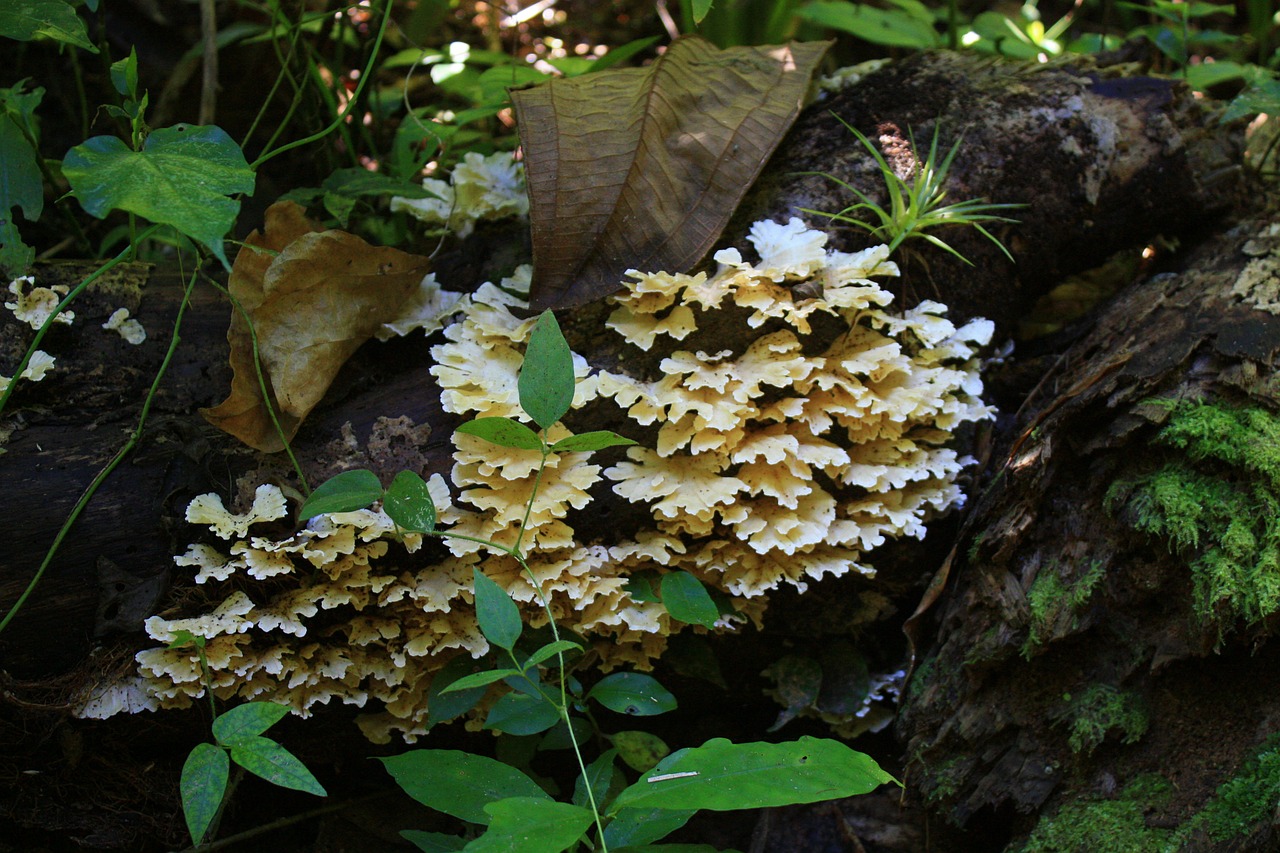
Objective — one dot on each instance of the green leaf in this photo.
(503, 432)
(433, 842)
(637, 827)
(182, 177)
(408, 502)
(16, 256)
(23, 20)
(700, 10)
(599, 778)
(597, 440)
(724, 776)
(633, 693)
(20, 179)
(124, 74)
(498, 615)
(443, 703)
(640, 586)
(546, 379)
(247, 720)
(479, 679)
(203, 784)
(798, 680)
(687, 600)
(903, 27)
(521, 714)
(265, 758)
(550, 650)
(531, 825)
(458, 783)
(345, 492)
(640, 750)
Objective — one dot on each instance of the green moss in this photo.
(1248, 798)
(1101, 710)
(1050, 599)
(1219, 506)
(1094, 825)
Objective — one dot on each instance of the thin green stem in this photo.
(365, 76)
(62, 306)
(124, 451)
(262, 387)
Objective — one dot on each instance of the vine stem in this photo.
(124, 451)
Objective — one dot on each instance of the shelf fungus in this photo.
(813, 431)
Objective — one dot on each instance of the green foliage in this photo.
(544, 696)
(916, 201)
(1096, 825)
(24, 20)
(1218, 503)
(1246, 799)
(1050, 600)
(182, 176)
(1100, 710)
(20, 178)
(205, 778)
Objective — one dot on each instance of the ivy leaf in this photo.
(408, 502)
(265, 758)
(546, 378)
(724, 776)
(597, 440)
(687, 599)
(345, 492)
(23, 20)
(203, 784)
(498, 615)
(182, 177)
(633, 693)
(248, 720)
(458, 783)
(503, 432)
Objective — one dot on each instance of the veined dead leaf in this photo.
(314, 297)
(642, 167)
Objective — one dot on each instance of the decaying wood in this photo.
(985, 722)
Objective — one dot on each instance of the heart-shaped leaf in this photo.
(642, 167)
(182, 177)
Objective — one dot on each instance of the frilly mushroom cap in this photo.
(779, 459)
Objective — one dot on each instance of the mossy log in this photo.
(1105, 163)
(1108, 606)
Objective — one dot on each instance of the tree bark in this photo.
(989, 716)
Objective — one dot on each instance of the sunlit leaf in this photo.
(23, 20)
(503, 432)
(588, 441)
(345, 492)
(183, 177)
(408, 503)
(546, 378)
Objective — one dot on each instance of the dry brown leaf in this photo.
(312, 305)
(642, 167)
